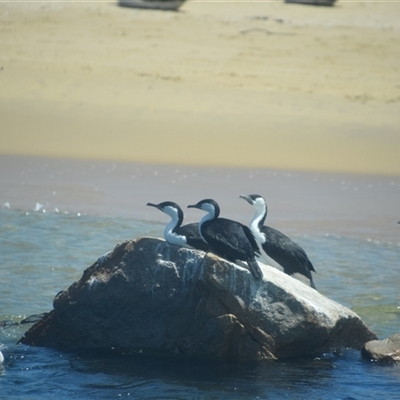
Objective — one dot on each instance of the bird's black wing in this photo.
(287, 253)
(230, 240)
(193, 238)
(252, 240)
(227, 238)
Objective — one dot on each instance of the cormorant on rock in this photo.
(187, 235)
(228, 239)
(275, 247)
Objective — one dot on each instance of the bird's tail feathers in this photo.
(312, 284)
(255, 269)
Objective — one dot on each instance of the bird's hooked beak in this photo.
(194, 206)
(154, 205)
(247, 198)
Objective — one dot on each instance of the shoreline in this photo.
(191, 165)
(299, 203)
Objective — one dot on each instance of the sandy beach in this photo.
(245, 84)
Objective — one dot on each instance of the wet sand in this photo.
(259, 85)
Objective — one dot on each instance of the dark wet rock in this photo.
(387, 350)
(151, 297)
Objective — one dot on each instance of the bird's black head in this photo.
(164, 204)
(252, 198)
(258, 204)
(209, 205)
(170, 208)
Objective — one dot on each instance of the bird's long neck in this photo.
(210, 216)
(170, 232)
(257, 222)
(175, 223)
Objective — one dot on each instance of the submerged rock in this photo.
(149, 296)
(387, 350)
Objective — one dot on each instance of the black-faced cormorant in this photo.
(275, 247)
(187, 235)
(228, 239)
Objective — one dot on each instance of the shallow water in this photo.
(45, 247)
(42, 253)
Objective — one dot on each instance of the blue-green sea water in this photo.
(42, 253)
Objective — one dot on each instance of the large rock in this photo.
(387, 350)
(151, 297)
